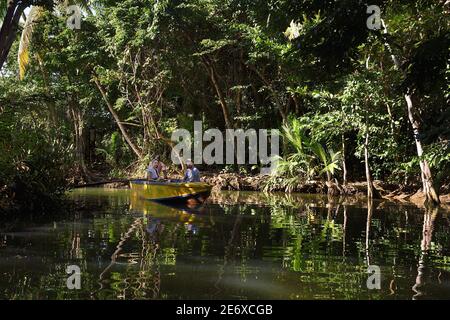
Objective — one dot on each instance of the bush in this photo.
(33, 165)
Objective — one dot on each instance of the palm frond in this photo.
(23, 54)
(319, 152)
(293, 132)
(310, 156)
(333, 163)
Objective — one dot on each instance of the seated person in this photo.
(161, 167)
(152, 172)
(192, 174)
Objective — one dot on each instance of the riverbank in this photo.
(238, 182)
(395, 192)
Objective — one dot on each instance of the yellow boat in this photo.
(171, 191)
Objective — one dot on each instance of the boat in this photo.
(172, 191)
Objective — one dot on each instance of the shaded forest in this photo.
(352, 103)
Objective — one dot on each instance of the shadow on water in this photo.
(239, 245)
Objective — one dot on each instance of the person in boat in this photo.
(192, 173)
(161, 168)
(152, 171)
(155, 169)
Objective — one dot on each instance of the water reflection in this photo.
(425, 246)
(238, 245)
(344, 230)
(369, 221)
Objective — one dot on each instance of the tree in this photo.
(13, 11)
(428, 188)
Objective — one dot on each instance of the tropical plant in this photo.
(31, 19)
(143, 68)
(307, 160)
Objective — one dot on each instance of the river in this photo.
(240, 245)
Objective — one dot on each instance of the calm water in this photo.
(238, 246)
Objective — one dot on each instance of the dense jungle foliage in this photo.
(352, 103)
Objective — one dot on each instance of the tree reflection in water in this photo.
(239, 245)
(369, 221)
(425, 246)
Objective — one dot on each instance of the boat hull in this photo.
(173, 192)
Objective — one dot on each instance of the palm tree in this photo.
(27, 32)
(12, 11)
(25, 38)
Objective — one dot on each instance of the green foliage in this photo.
(308, 159)
(438, 157)
(165, 64)
(115, 153)
(34, 164)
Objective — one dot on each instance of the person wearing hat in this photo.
(192, 173)
(161, 168)
(152, 171)
(155, 169)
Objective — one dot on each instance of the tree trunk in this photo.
(344, 164)
(430, 192)
(239, 92)
(213, 75)
(278, 103)
(122, 129)
(427, 178)
(79, 135)
(370, 189)
(8, 31)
